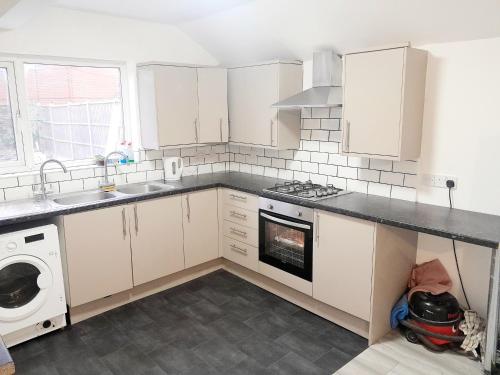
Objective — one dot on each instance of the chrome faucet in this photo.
(43, 191)
(106, 183)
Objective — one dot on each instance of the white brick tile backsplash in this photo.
(383, 165)
(211, 158)
(328, 169)
(21, 192)
(154, 154)
(203, 150)
(70, 186)
(392, 178)
(271, 172)
(28, 179)
(337, 159)
(271, 153)
(119, 179)
(265, 162)
(136, 177)
(205, 168)
(285, 174)
(357, 185)
(369, 175)
(311, 123)
(320, 135)
(218, 149)
(251, 159)
(84, 173)
(234, 167)
(335, 136)
(306, 113)
(379, 189)
(399, 192)
(257, 151)
(302, 155)
(218, 167)
(319, 157)
(305, 134)
(8, 182)
(278, 163)
(57, 176)
(286, 154)
(336, 112)
(190, 171)
(330, 124)
(239, 158)
(320, 112)
(91, 183)
(354, 161)
(339, 182)
(154, 175)
(330, 147)
(225, 157)
(172, 152)
(410, 180)
(300, 176)
(405, 167)
(310, 145)
(309, 167)
(318, 178)
(257, 169)
(196, 160)
(245, 168)
(348, 172)
(147, 165)
(294, 165)
(188, 151)
(126, 168)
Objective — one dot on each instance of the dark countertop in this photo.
(467, 226)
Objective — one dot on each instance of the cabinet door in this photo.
(212, 96)
(373, 84)
(98, 254)
(201, 227)
(176, 104)
(156, 238)
(252, 91)
(342, 263)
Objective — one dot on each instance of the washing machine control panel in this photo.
(11, 246)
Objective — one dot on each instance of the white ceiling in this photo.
(235, 31)
(166, 11)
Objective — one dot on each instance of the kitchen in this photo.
(214, 85)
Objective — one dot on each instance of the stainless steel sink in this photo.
(140, 188)
(94, 196)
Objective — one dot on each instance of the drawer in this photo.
(241, 253)
(240, 216)
(241, 233)
(241, 200)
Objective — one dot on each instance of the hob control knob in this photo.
(11, 246)
(270, 206)
(299, 213)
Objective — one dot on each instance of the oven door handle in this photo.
(286, 222)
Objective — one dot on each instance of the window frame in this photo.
(12, 86)
(24, 124)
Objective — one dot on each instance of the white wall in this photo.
(461, 138)
(67, 33)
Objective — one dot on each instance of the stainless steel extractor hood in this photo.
(327, 84)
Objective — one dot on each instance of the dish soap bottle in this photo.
(123, 148)
(130, 153)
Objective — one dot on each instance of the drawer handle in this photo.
(238, 249)
(238, 232)
(238, 215)
(238, 197)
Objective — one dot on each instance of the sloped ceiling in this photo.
(237, 31)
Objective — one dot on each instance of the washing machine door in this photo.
(24, 283)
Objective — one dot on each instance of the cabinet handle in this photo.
(348, 135)
(238, 197)
(188, 209)
(317, 229)
(238, 232)
(238, 215)
(220, 129)
(124, 224)
(195, 130)
(272, 141)
(136, 219)
(238, 249)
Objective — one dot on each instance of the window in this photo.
(75, 111)
(70, 111)
(10, 144)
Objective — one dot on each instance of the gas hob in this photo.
(307, 190)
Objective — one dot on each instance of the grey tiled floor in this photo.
(217, 324)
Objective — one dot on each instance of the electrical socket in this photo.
(438, 181)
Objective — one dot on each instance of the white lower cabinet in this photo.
(343, 262)
(201, 227)
(97, 248)
(156, 238)
(243, 254)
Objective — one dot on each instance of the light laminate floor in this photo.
(394, 355)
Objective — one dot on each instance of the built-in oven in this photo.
(286, 237)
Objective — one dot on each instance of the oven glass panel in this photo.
(284, 244)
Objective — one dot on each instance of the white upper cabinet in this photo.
(383, 103)
(252, 90)
(212, 97)
(182, 105)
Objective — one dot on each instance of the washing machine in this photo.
(32, 299)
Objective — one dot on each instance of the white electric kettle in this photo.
(173, 168)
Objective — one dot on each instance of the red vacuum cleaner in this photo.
(433, 321)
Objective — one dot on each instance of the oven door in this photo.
(286, 243)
